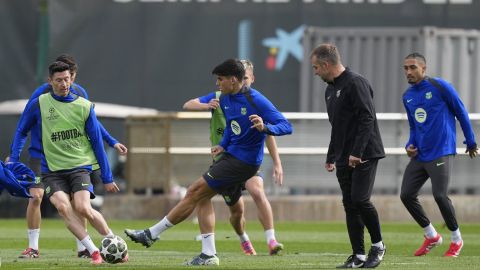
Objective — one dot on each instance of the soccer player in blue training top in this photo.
(254, 185)
(432, 105)
(248, 122)
(33, 214)
(354, 150)
(70, 143)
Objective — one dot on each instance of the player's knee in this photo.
(36, 199)
(64, 209)
(406, 197)
(361, 203)
(84, 211)
(440, 198)
(258, 196)
(236, 213)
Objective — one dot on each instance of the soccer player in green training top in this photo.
(71, 143)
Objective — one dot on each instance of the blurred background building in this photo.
(160, 53)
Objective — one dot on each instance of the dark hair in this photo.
(231, 67)
(327, 52)
(57, 66)
(69, 60)
(418, 56)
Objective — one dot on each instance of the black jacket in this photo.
(354, 123)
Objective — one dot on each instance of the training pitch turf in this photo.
(308, 245)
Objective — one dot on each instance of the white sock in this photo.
(244, 237)
(378, 244)
(161, 226)
(89, 245)
(109, 234)
(430, 231)
(270, 235)
(33, 236)
(456, 236)
(80, 246)
(208, 244)
(362, 257)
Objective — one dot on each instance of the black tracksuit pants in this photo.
(357, 185)
(415, 176)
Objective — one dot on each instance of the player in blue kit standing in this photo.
(432, 105)
(242, 148)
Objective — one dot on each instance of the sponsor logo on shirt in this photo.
(408, 100)
(420, 115)
(236, 129)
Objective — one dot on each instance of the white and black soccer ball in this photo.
(113, 249)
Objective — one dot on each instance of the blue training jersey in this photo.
(431, 114)
(35, 143)
(31, 118)
(239, 139)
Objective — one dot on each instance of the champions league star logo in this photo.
(281, 46)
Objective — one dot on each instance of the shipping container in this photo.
(378, 54)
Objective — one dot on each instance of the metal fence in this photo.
(173, 149)
(378, 53)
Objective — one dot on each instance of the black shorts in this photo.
(68, 182)
(227, 177)
(35, 165)
(96, 179)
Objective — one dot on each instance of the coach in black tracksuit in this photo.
(355, 148)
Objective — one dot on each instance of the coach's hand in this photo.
(257, 122)
(354, 161)
(216, 150)
(472, 152)
(330, 167)
(121, 149)
(112, 187)
(411, 151)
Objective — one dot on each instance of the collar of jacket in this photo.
(342, 78)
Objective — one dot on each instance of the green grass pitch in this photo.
(308, 245)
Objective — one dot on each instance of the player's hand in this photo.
(330, 167)
(257, 122)
(278, 174)
(112, 187)
(213, 103)
(411, 151)
(472, 152)
(216, 150)
(121, 149)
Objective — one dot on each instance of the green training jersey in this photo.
(217, 125)
(64, 141)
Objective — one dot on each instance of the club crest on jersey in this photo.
(428, 95)
(236, 129)
(243, 111)
(338, 92)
